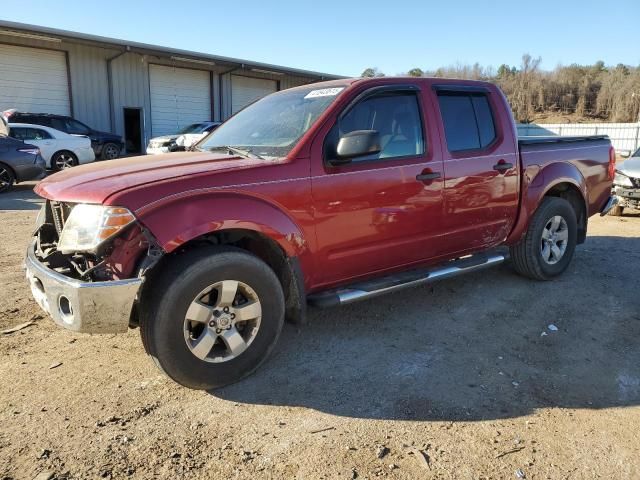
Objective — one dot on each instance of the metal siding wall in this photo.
(89, 87)
(130, 79)
(285, 81)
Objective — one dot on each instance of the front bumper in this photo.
(87, 307)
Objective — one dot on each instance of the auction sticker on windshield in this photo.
(324, 92)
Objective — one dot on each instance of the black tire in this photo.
(7, 178)
(168, 294)
(616, 211)
(110, 151)
(63, 157)
(527, 256)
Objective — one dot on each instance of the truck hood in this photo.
(631, 167)
(164, 138)
(95, 182)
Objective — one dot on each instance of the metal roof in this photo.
(7, 28)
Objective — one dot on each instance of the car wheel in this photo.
(547, 248)
(7, 178)
(616, 211)
(110, 151)
(63, 160)
(211, 316)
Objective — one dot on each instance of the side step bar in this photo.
(373, 288)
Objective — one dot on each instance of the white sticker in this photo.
(324, 92)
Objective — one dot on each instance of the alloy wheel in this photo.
(64, 160)
(222, 321)
(555, 236)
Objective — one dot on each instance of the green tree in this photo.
(372, 72)
(416, 72)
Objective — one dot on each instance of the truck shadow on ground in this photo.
(472, 348)
(20, 197)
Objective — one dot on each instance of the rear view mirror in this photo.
(357, 144)
(625, 154)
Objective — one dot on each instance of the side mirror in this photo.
(625, 154)
(357, 144)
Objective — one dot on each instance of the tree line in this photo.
(586, 92)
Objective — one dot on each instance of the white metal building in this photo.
(136, 90)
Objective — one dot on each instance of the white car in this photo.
(59, 150)
(182, 140)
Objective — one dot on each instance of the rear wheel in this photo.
(63, 160)
(212, 316)
(547, 248)
(7, 178)
(616, 211)
(110, 151)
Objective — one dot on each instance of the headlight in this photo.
(90, 225)
(622, 180)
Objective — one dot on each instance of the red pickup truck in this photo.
(322, 194)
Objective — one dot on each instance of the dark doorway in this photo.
(133, 130)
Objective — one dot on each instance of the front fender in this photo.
(178, 221)
(537, 182)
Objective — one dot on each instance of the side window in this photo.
(74, 126)
(59, 124)
(17, 132)
(38, 134)
(468, 122)
(395, 116)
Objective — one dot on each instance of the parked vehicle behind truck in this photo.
(323, 194)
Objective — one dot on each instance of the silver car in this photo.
(626, 185)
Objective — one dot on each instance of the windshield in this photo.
(193, 128)
(636, 154)
(272, 126)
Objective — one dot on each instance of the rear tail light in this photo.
(31, 150)
(611, 171)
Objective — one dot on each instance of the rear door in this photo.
(38, 137)
(480, 168)
(374, 214)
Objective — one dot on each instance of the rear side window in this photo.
(26, 134)
(468, 121)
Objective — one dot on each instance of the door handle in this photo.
(425, 177)
(502, 166)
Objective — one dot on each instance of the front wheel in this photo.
(547, 248)
(211, 316)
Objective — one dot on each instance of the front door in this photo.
(381, 211)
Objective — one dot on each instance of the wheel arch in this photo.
(244, 222)
(555, 180)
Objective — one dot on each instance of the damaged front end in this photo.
(86, 264)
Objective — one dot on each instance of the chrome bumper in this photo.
(611, 202)
(87, 307)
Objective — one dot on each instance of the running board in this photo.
(373, 288)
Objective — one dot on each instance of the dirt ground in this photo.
(464, 381)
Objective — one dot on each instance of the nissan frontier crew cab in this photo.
(323, 194)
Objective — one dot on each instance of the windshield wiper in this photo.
(237, 151)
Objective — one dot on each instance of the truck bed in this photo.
(582, 158)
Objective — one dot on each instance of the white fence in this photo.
(625, 137)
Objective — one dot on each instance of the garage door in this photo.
(33, 80)
(246, 90)
(179, 97)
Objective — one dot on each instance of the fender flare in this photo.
(538, 186)
(176, 221)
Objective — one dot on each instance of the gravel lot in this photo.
(464, 380)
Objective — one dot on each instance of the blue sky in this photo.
(345, 37)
